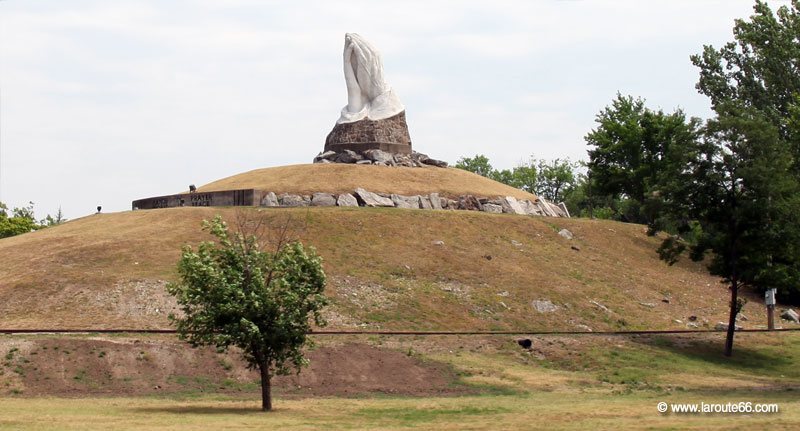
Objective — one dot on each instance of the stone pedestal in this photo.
(390, 135)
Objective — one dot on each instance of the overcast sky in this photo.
(103, 102)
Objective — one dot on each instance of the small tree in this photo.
(555, 178)
(235, 292)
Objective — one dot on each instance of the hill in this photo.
(342, 178)
(388, 268)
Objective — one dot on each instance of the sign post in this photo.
(769, 299)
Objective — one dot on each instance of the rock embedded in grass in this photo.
(369, 199)
(790, 315)
(323, 200)
(346, 200)
(544, 306)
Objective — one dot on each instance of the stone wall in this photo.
(359, 197)
(364, 198)
(244, 197)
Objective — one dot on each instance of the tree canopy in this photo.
(738, 201)
(22, 220)
(635, 153)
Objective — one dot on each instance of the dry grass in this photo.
(340, 178)
(545, 410)
(89, 272)
(564, 383)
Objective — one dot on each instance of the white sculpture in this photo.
(368, 95)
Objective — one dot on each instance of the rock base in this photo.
(389, 135)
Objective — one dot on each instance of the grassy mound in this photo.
(388, 268)
(342, 178)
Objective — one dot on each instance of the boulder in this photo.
(403, 160)
(511, 206)
(369, 199)
(346, 200)
(364, 162)
(419, 157)
(425, 203)
(323, 200)
(288, 200)
(452, 204)
(270, 200)
(379, 156)
(327, 155)
(558, 210)
(348, 156)
(722, 326)
(544, 306)
(492, 208)
(434, 162)
(436, 202)
(527, 207)
(791, 315)
(408, 202)
(564, 209)
(565, 233)
(546, 208)
(469, 203)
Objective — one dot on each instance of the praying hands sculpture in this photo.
(368, 95)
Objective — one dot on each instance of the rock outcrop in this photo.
(432, 201)
(376, 156)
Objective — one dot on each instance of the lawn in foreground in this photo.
(537, 410)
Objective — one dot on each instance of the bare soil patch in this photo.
(77, 367)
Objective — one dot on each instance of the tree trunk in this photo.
(266, 389)
(732, 317)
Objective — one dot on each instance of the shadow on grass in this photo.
(204, 410)
(686, 350)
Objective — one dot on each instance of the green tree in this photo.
(742, 207)
(21, 220)
(759, 68)
(740, 204)
(49, 220)
(477, 165)
(635, 153)
(555, 179)
(236, 292)
(522, 176)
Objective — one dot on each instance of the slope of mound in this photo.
(387, 268)
(344, 178)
